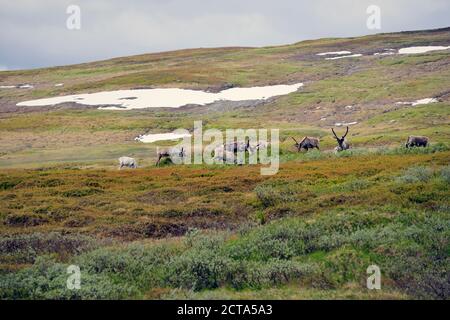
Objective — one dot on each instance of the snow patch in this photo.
(25, 86)
(333, 53)
(340, 124)
(342, 57)
(417, 102)
(149, 138)
(164, 98)
(19, 86)
(423, 49)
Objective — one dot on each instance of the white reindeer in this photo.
(127, 162)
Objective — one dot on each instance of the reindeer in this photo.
(227, 152)
(237, 146)
(252, 148)
(223, 155)
(307, 143)
(168, 153)
(417, 141)
(342, 142)
(127, 162)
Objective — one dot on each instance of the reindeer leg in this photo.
(159, 159)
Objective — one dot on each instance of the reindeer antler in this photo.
(294, 140)
(334, 133)
(345, 133)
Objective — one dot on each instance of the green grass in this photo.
(371, 84)
(223, 231)
(323, 224)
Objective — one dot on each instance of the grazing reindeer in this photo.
(127, 162)
(307, 143)
(227, 152)
(224, 155)
(252, 148)
(237, 146)
(342, 142)
(168, 153)
(416, 141)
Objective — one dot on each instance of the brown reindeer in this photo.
(168, 153)
(307, 143)
(342, 142)
(417, 141)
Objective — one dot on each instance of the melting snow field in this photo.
(164, 98)
(342, 57)
(149, 138)
(412, 50)
(419, 102)
(20, 86)
(343, 124)
(339, 55)
(333, 53)
(385, 52)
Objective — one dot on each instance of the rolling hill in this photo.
(225, 231)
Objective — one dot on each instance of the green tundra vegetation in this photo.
(224, 231)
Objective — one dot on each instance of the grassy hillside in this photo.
(225, 231)
(372, 84)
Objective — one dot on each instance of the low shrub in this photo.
(445, 174)
(197, 270)
(433, 148)
(354, 185)
(25, 248)
(411, 249)
(77, 193)
(417, 174)
(419, 276)
(9, 184)
(24, 220)
(352, 152)
(345, 265)
(47, 279)
(278, 193)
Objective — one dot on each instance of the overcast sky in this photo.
(34, 33)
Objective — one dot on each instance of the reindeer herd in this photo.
(312, 142)
(228, 151)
